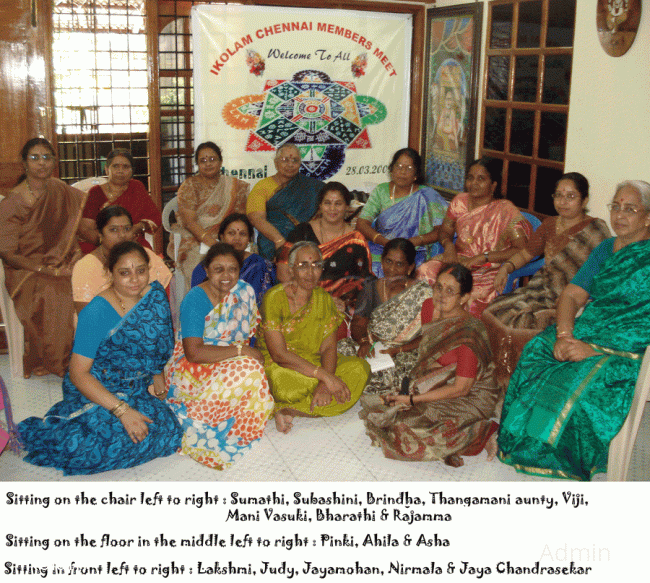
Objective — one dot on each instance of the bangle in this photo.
(411, 399)
(374, 239)
(486, 256)
(203, 236)
(315, 371)
(564, 334)
(239, 349)
(120, 409)
(280, 240)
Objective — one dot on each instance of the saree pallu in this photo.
(559, 417)
(45, 231)
(513, 319)
(212, 201)
(347, 262)
(80, 437)
(134, 199)
(304, 331)
(223, 407)
(394, 323)
(435, 430)
(491, 227)
(290, 205)
(414, 215)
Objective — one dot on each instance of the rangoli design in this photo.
(323, 118)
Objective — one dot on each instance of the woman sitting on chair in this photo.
(565, 241)
(109, 417)
(574, 383)
(449, 414)
(299, 346)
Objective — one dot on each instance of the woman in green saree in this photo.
(574, 383)
(298, 342)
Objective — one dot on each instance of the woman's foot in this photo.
(491, 447)
(283, 422)
(454, 460)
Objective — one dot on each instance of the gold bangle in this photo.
(203, 236)
(280, 240)
(374, 239)
(239, 349)
(315, 371)
(564, 334)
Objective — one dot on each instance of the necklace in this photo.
(120, 301)
(392, 191)
(322, 233)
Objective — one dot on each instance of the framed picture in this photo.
(451, 94)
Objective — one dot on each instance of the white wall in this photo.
(609, 112)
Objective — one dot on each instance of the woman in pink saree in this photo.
(489, 232)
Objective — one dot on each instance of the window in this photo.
(526, 95)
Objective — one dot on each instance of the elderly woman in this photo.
(345, 251)
(404, 208)
(389, 310)
(91, 275)
(38, 246)
(574, 383)
(565, 241)
(237, 230)
(490, 231)
(278, 203)
(123, 190)
(299, 345)
(449, 415)
(109, 417)
(204, 200)
(216, 380)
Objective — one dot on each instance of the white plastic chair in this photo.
(13, 328)
(178, 292)
(620, 448)
(87, 183)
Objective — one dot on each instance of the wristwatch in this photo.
(487, 260)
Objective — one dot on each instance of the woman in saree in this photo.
(204, 200)
(121, 189)
(448, 415)
(280, 202)
(215, 379)
(489, 232)
(91, 275)
(38, 246)
(565, 241)
(345, 251)
(111, 415)
(403, 208)
(389, 311)
(298, 342)
(574, 383)
(237, 230)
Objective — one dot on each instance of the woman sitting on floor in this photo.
(299, 345)
(91, 275)
(237, 230)
(389, 310)
(450, 415)
(345, 251)
(217, 386)
(574, 383)
(109, 417)
(565, 241)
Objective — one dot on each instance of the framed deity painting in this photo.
(451, 94)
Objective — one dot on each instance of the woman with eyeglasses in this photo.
(121, 189)
(298, 341)
(488, 231)
(447, 414)
(403, 208)
(565, 241)
(204, 200)
(38, 246)
(574, 383)
(389, 311)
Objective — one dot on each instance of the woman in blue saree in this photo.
(109, 417)
(574, 383)
(404, 208)
(237, 230)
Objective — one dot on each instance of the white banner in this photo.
(333, 82)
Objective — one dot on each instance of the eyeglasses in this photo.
(404, 167)
(626, 209)
(37, 157)
(305, 265)
(289, 160)
(568, 196)
(445, 291)
(209, 159)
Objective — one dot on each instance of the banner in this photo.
(335, 83)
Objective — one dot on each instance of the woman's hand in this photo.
(334, 387)
(135, 424)
(572, 350)
(365, 350)
(392, 350)
(253, 353)
(475, 261)
(158, 388)
(502, 278)
(450, 255)
(396, 400)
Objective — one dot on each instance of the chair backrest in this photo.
(87, 183)
(169, 208)
(532, 219)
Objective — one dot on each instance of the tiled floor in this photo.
(328, 450)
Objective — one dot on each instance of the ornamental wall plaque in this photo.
(617, 22)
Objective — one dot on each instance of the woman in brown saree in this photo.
(450, 414)
(38, 246)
